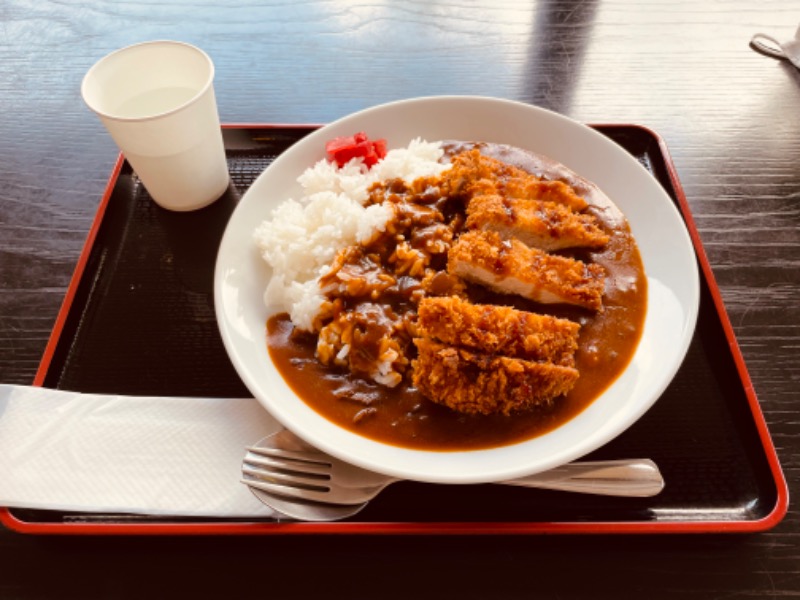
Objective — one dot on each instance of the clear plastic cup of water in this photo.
(156, 99)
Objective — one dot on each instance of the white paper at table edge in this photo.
(147, 455)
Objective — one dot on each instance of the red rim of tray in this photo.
(222, 527)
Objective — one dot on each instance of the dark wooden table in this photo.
(683, 68)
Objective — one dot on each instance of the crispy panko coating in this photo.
(511, 267)
(476, 383)
(546, 191)
(544, 225)
(501, 330)
(470, 169)
(473, 173)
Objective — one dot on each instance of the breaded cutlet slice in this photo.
(472, 173)
(533, 188)
(511, 267)
(493, 329)
(470, 168)
(544, 225)
(475, 383)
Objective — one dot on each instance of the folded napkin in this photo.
(128, 454)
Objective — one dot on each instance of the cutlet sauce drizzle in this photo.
(404, 417)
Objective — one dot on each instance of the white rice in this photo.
(303, 236)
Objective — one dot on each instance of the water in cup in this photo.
(154, 102)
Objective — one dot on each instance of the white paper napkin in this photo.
(128, 454)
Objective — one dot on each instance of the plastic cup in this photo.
(156, 99)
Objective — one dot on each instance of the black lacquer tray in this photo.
(139, 320)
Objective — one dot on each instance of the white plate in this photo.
(673, 283)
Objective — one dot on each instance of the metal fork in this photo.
(304, 473)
